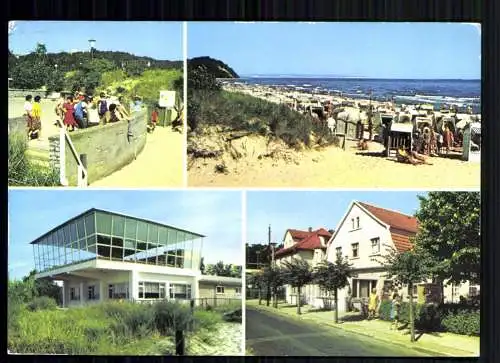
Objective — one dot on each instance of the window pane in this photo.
(117, 242)
(92, 249)
(72, 231)
(142, 246)
(153, 233)
(130, 228)
(91, 240)
(117, 253)
(118, 226)
(142, 231)
(67, 236)
(130, 243)
(128, 252)
(163, 235)
(80, 228)
(103, 251)
(104, 240)
(103, 221)
(90, 223)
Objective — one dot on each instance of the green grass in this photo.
(23, 172)
(148, 85)
(105, 328)
(240, 112)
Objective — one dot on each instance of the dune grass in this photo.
(104, 328)
(22, 172)
(241, 112)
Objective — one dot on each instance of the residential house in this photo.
(100, 255)
(309, 246)
(224, 288)
(363, 236)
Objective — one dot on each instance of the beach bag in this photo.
(103, 107)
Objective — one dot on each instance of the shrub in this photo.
(42, 303)
(171, 316)
(23, 173)
(206, 319)
(462, 322)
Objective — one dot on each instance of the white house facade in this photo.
(363, 236)
(99, 255)
(309, 246)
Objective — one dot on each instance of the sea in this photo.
(460, 93)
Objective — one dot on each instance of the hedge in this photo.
(453, 318)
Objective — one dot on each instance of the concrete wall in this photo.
(17, 124)
(108, 148)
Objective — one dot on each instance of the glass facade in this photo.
(109, 236)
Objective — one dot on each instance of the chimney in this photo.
(310, 229)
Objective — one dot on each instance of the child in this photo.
(28, 112)
(36, 125)
(102, 107)
(395, 309)
(154, 119)
(69, 118)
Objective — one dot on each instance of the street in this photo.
(272, 335)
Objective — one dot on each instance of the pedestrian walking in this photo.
(395, 310)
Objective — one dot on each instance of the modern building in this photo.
(99, 255)
(309, 246)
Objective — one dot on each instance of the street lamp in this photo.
(92, 43)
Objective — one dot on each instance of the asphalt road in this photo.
(271, 335)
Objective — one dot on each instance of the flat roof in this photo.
(91, 210)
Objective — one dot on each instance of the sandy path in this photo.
(159, 164)
(335, 167)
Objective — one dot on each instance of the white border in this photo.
(185, 109)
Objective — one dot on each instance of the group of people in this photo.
(82, 111)
(374, 305)
(429, 142)
(33, 114)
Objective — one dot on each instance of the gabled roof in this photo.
(304, 240)
(401, 226)
(395, 220)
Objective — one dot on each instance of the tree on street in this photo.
(297, 273)
(333, 276)
(449, 229)
(407, 268)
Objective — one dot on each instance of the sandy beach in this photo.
(335, 168)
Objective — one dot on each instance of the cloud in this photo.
(12, 27)
(477, 26)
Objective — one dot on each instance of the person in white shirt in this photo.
(28, 109)
(92, 114)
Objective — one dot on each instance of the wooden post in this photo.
(82, 173)
(179, 342)
(62, 157)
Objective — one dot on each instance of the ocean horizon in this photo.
(457, 92)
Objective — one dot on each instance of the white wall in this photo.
(368, 228)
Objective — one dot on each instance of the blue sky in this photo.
(159, 40)
(368, 49)
(304, 209)
(34, 212)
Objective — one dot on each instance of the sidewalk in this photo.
(437, 344)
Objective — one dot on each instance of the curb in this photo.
(338, 326)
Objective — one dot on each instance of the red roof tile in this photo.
(401, 241)
(305, 240)
(395, 220)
